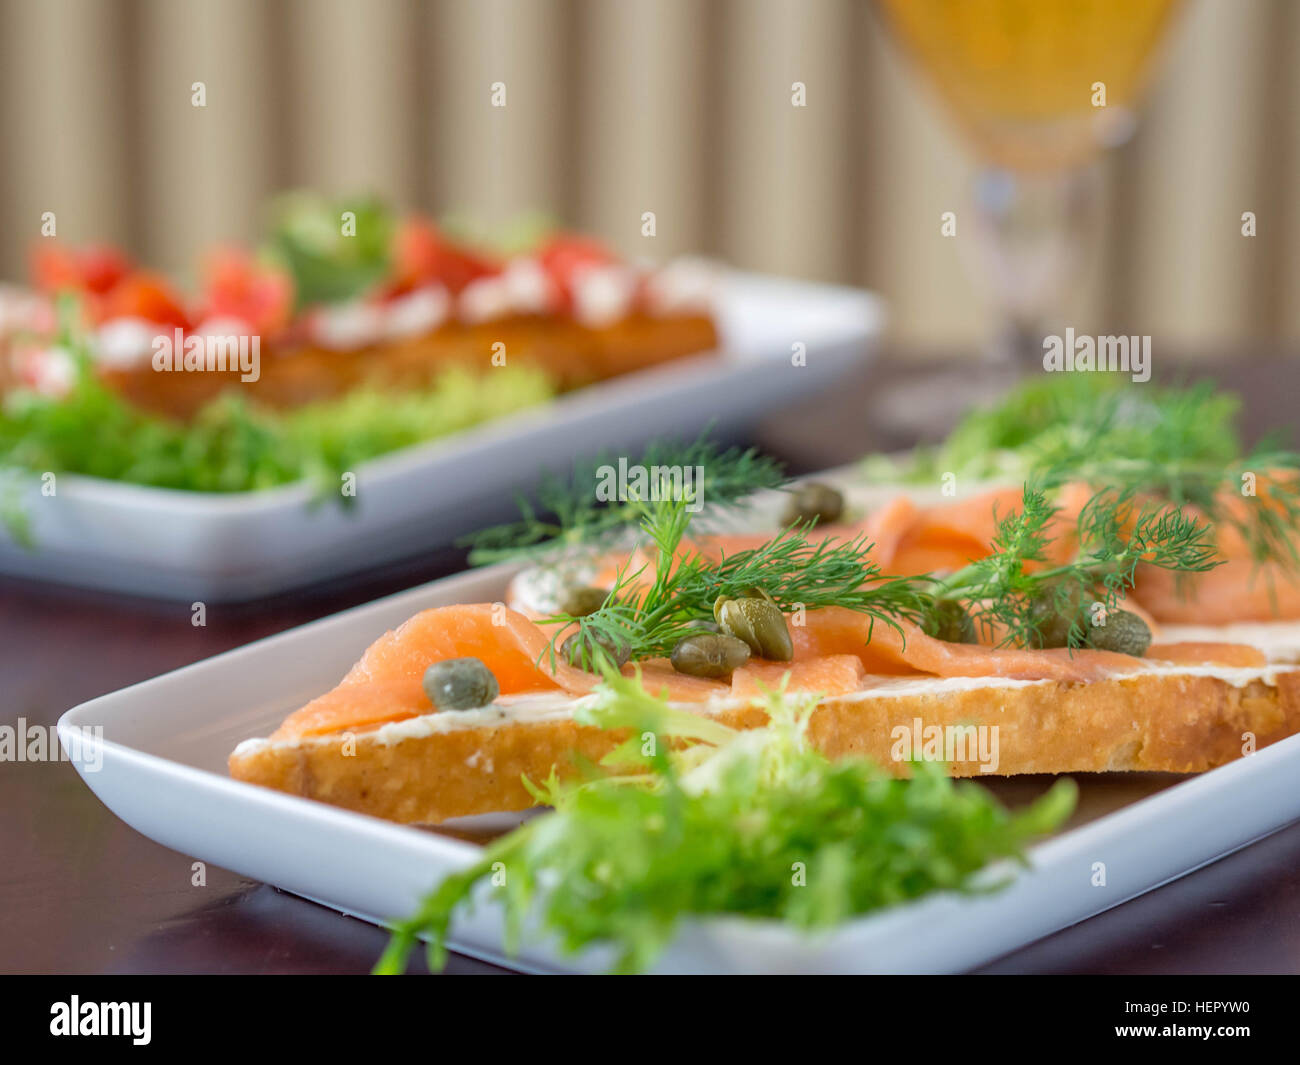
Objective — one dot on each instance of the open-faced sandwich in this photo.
(1131, 604)
(351, 332)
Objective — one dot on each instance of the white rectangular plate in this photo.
(165, 744)
(221, 547)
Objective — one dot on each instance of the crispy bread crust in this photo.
(1178, 723)
(575, 354)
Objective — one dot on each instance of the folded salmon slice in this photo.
(910, 540)
(834, 649)
(903, 649)
(1208, 654)
(385, 685)
(828, 675)
(1238, 590)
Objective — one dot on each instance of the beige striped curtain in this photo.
(616, 107)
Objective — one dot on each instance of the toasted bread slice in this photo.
(1163, 719)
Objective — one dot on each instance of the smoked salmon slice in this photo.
(1239, 590)
(905, 649)
(385, 685)
(1208, 654)
(828, 675)
(834, 649)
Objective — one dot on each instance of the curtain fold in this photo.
(615, 108)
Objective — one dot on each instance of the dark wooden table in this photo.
(80, 892)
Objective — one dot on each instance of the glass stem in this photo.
(1032, 233)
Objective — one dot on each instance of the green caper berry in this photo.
(460, 684)
(709, 655)
(584, 651)
(1123, 631)
(704, 626)
(951, 622)
(583, 601)
(1055, 610)
(814, 501)
(758, 622)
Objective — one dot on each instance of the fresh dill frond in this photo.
(1006, 591)
(569, 512)
(1266, 521)
(997, 590)
(792, 570)
(1178, 445)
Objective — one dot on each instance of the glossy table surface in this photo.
(80, 892)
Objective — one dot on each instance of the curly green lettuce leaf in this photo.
(693, 819)
(234, 445)
(1061, 420)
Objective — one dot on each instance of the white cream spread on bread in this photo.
(542, 706)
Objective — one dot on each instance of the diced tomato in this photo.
(148, 296)
(566, 255)
(422, 255)
(103, 267)
(95, 269)
(415, 253)
(236, 285)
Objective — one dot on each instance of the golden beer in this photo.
(1023, 76)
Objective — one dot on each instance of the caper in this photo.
(704, 626)
(1055, 610)
(583, 649)
(583, 601)
(758, 621)
(1123, 631)
(460, 684)
(709, 655)
(950, 622)
(814, 501)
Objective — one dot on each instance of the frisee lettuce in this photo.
(233, 445)
(706, 820)
(1059, 419)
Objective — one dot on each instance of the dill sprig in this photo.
(568, 513)
(1178, 445)
(1006, 592)
(1266, 521)
(795, 572)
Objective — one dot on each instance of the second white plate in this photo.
(196, 546)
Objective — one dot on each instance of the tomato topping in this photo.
(148, 296)
(236, 285)
(565, 255)
(422, 256)
(94, 269)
